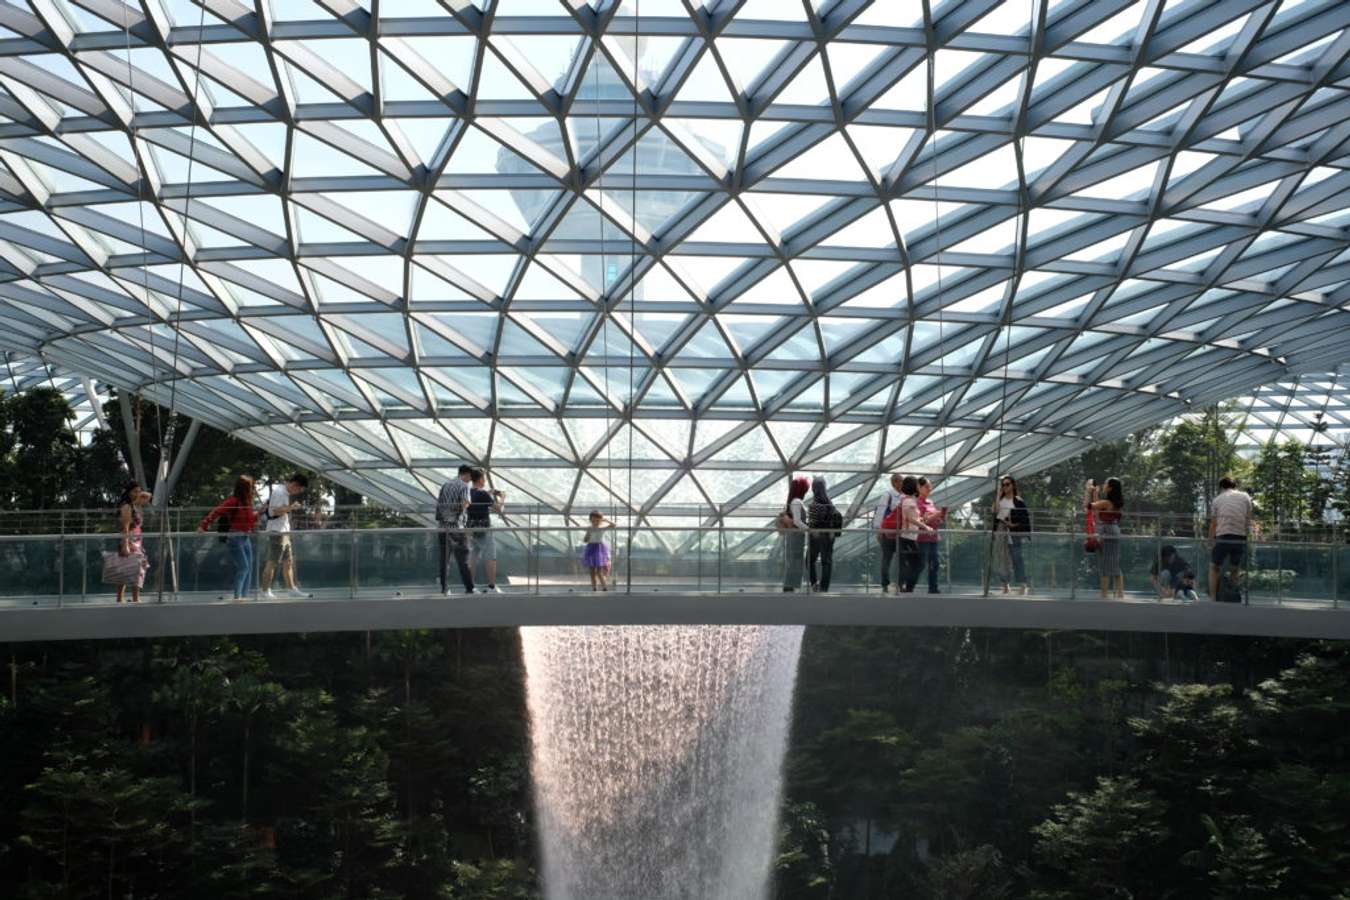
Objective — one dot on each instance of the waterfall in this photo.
(657, 757)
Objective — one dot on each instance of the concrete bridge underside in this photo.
(172, 619)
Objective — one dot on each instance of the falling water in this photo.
(657, 758)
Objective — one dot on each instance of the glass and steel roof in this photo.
(725, 240)
(1313, 410)
(20, 373)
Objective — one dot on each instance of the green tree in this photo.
(1282, 483)
(1104, 842)
(803, 869)
(975, 874)
(100, 823)
(196, 690)
(1192, 456)
(854, 768)
(39, 452)
(342, 826)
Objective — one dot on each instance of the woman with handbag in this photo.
(130, 547)
(1012, 521)
(1107, 504)
(236, 518)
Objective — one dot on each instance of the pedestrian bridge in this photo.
(201, 616)
(385, 578)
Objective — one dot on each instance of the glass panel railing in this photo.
(549, 557)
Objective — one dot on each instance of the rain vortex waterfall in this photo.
(657, 757)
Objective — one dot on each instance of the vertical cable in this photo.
(632, 290)
(604, 290)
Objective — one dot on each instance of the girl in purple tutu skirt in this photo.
(596, 555)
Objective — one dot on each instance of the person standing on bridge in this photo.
(934, 516)
(239, 519)
(1012, 523)
(1230, 517)
(129, 524)
(482, 505)
(277, 524)
(912, 527)
(1108, 503)
(887, 534)
(451, 506)
(825, 521)
(793, 523)
(595, 555)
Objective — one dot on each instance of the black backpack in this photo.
(835, 521)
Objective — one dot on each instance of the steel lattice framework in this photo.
(25, 373)
(1313, 410)
(681, 249)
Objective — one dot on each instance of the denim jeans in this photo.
(928, 559)
(241, 551)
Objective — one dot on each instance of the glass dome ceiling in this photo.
(20, 373)
(1313, 410)
(726, 241)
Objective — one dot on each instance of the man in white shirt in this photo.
(277, 524)
(889, 501)
(1230, 517)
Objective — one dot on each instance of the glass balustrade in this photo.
(545, 556)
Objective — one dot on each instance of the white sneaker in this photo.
(490, 589)
(268, 595)
(447, 593)
(296, 592)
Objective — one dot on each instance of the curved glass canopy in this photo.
(1313, 410)
(723, 241)
(20, 373)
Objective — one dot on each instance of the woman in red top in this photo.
(238, 511)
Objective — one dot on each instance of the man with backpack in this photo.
(277, 524)
(888, 533)
(825, 521)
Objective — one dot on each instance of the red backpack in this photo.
(891, 520)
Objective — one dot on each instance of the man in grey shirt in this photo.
(1230, 516)
(450, 510)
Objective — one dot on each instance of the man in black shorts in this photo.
(1230, 517)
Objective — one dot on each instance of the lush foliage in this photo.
(953, 764)
(932, 763)
(386, 765)
(1176, 468)
(44, 466)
